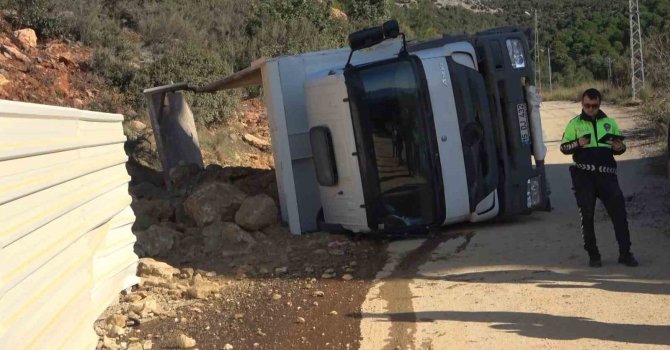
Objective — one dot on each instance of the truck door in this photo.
(477, 132)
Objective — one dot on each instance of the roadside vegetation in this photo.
(144, 43)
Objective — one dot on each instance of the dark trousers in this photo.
(589, 185)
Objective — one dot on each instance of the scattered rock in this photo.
(213, 201)
(257, 212)
(336, 252)
(227, 347)
(147, 345)
(327, 276)
(338, 14)
(116, 331)
(318, 294)
(347, 277)
(201, 288)
(261, 144)
(300, 320)
(137, 125)
(183, 341)
(145, 307)
(281, 270)
(228, 237)
(334, 313)
(131, 298)
(3, 80)
(62, 84)
(186, 273)
(14, 53)
(109, 343)
(151, 267)
(26, 38)
(276, 296)
(117, 320)
(77, 103)
(135, 346)
(66, 59)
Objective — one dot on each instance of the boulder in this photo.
(151, 211)
(156, 241)
(257, 212)
(150, 267)
(256, 183)
(133, 129)
(228, 237)
(213, 201)
(182, 176)
(26, 38)
(147, 190)
(338, 14)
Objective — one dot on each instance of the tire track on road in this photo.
(396, 290)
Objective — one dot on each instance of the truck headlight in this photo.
(515, 50)
(533, 192)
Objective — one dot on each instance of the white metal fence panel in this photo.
(66, 245)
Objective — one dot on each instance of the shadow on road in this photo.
(573, 280)
(544, 326)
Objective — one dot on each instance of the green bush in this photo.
(189, 63)
(38, 15)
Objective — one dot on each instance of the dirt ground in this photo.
(524, 283)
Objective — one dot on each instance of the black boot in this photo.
(628, 259)
(594, 260)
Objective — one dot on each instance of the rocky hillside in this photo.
(50, 72)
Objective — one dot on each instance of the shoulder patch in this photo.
(607, 126)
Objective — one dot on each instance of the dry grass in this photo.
(613, 94)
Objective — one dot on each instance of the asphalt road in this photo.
(525, 284)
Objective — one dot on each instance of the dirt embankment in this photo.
(219, 268)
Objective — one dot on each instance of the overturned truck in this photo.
(388, 136)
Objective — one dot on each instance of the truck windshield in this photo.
(390, 116)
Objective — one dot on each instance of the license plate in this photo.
(524, 127)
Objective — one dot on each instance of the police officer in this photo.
(594, 174)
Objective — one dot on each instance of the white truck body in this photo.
(310, 90)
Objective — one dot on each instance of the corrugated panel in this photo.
(66, 245)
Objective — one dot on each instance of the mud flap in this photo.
(174, 129)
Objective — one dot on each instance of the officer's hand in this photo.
(617, 145)
(584, 140)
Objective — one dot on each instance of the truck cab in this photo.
(437, 134)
